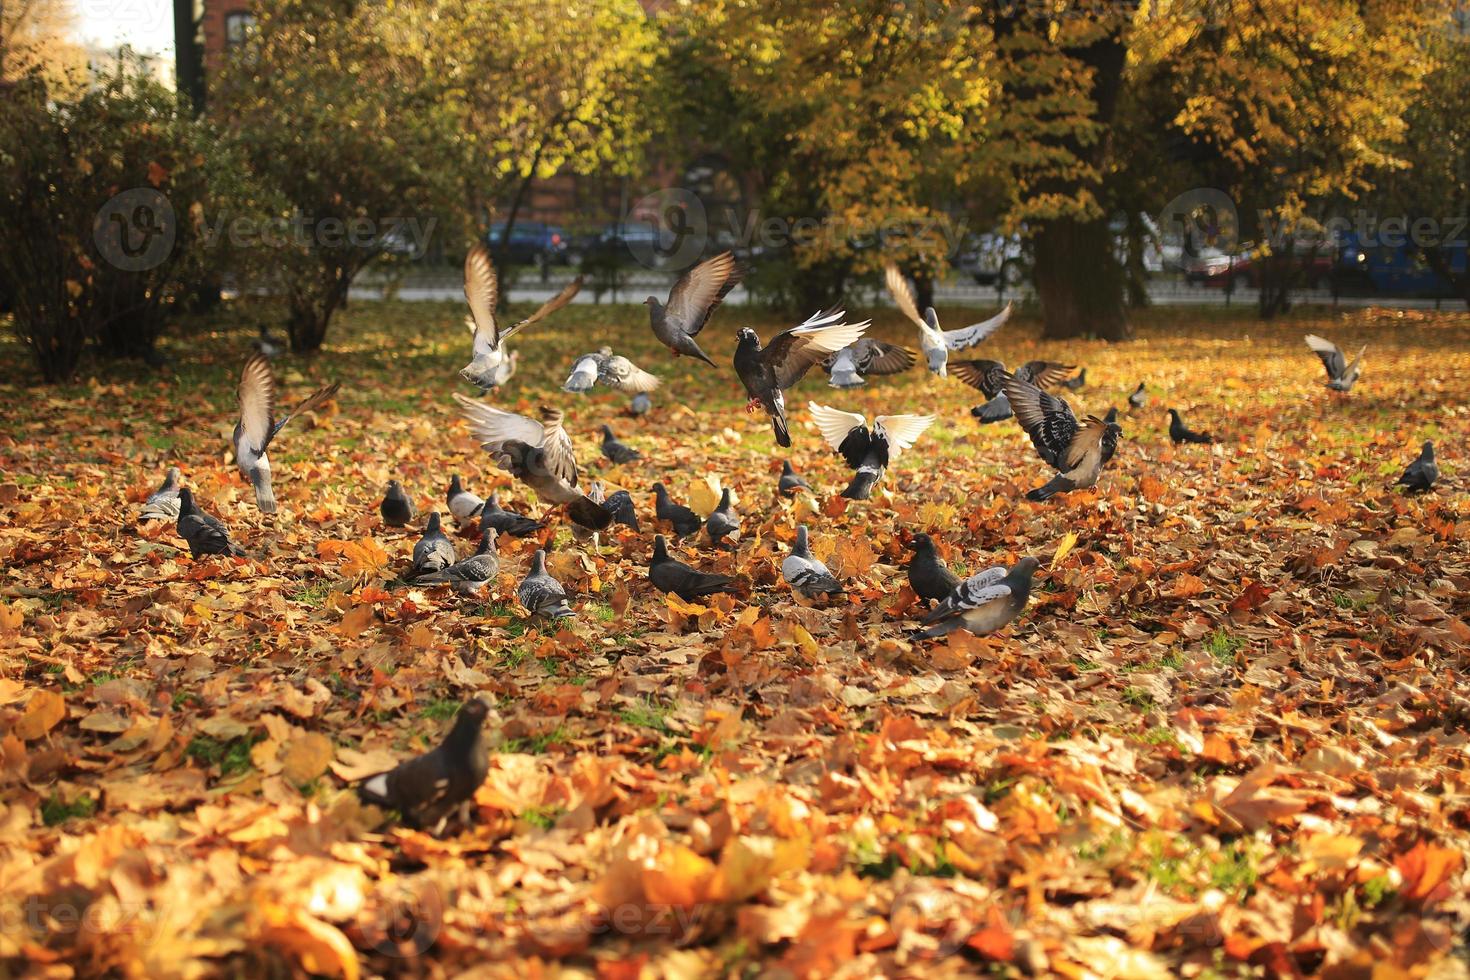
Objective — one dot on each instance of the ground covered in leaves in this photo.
(1227, 738)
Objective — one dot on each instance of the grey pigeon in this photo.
(984, 602)
(463, 505)
(790, 482)
(1422, 472)
(1139, 398)
(163, 503)
(1341, 376)
(492, 364)
(428, 789)
(532, 467)
(929, 577)
(258, 425)
(267, 345)
(396, 509)
(867, 450)
(620, 505)
(616, 451)
(1179, 432)
(541, 594)
(494, 427)
(640, 404)
(997, 409)
(470, 575)
(766, 372)
(804, 573)
(722, 521)
(1077, 451)
(1077, 383)
(694, 297)
(852, 365)
(433, 552)
(937, 343)
(684, 520)
(206, 535)
(613, 370)
(671, 575)
(507, 521)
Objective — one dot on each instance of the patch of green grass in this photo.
(1344, 601)
(1138, 697)
(1159, 735)
(1222, 646)
(439, 709)
(56, 810)
(232, 756)
(1098, 848)
(543, 817)
(602, 612)
(646, 713)
(1235, 871)
(514, 657)
(538, 744)
(313, 595)
(1376, 891)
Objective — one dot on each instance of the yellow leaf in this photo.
(356, 620)
(363, 558)
(1065, 548)
(306, 758)
(46, 708)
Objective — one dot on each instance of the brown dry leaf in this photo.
(44, 710)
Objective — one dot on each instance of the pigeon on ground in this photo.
(494, 427)
(541, 594)
(790, 481)
(766, 372)
(640, 404)
(267, 345)
(206, 535)
(671, 575)
(433, 552)
(613, 370)
(867, 450)
(1422, 472)
(684, 520)
(1112, 417)
(258, 425)
(722, 521)
(507, 521)
(989, 377)
(616, 451)
(1341, 376)
(620, 505)
(1139, 398)
(1077, 451)
(938, 343)
(492, 364)
(852, 365)
(533, 467)
(693, 298)
(463, 505)
(469, 575)
(804, 573)
(1077, 383)
(397, 510)
(984, 602)
(163, 503)
(929, 577)
(428, 789)
(1179, 432)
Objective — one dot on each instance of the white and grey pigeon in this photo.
(258, 425)
(804, 573)
(463, 505)
(469, 575)
(434, 551)
(163, 503)
(1341, 376)
(492, 364)
(984, 602)
(541, 594)
(640, 404)
(938, 343)
(612, 370)
(851, 366)
(694, 297)
(766, 372)
(867, 450)
(266, 344)
(429, 789)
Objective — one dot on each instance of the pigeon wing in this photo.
(976, 332)
(547, 308)
(981, 374)
(901, 431)
(482, 292)
(1047, 419)
(257, 395)
(698, 291)
(792, 352)
(1332, 358)
(834, 423)
(494, 427)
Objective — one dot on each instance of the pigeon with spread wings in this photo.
(1076, 450)
(868, 450)
(693, 298)
(938, 343)
(1341, 376)
(258, 425)
(612, 370)
(851, 366)
(492, 363)
(766, 372)
(989, 377)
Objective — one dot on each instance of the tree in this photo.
(39, 35)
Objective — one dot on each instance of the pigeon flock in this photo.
(427, 790)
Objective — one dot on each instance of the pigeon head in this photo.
(1428, 449)
(786, 469)
(1174, 414)
(1026, 567)
(801, 538)
(433, 526)
(607, 432)
(454, 486)
(186, 502)
(660, 549)
(1115, 430)
(394, 486)
(921, 542)
(652, 302)
(173, 475)
(746, 337)
(487, 540)
(475, 709)
(661, 491)
(538, 562)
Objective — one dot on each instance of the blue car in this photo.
(1398, 269)
(531, 243)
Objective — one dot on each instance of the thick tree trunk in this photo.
(923, 292)
(1437, 261)
(311, 312)
(1079, 282)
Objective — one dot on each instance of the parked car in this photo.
(531, 243)
(629, 243)
(1313, 261)
(1394, 270)
(993, 257)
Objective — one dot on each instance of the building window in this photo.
(238, 28)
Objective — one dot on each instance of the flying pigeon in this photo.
(1139, 398)
(997, 409)
(492, 364)
(722, 521)
(617, 451)
(766, 372)
(495, 427)
(396, 509)
(1422, 472)
(427, 789)
(267, 345)
(691, 301)
(507, 521)
(163, 503)
(804, 573)
(433, 552)
(258, 425)
(867, 451)
(989, 377)
(684, 520)
(620, 505)
(1179, 432)
(938, 343)
(790, 482)
(1340, 375)
(1077, 452)
(541, 594)
(849, 367)
(928, 576)
(640, 404)
(613, 370)
(536, 469)
(463, 505)
(206, 535)
(468, 576)
(1077, 383)
(671, 575)
(984, 602)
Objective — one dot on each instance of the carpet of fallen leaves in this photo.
(1227, 738)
